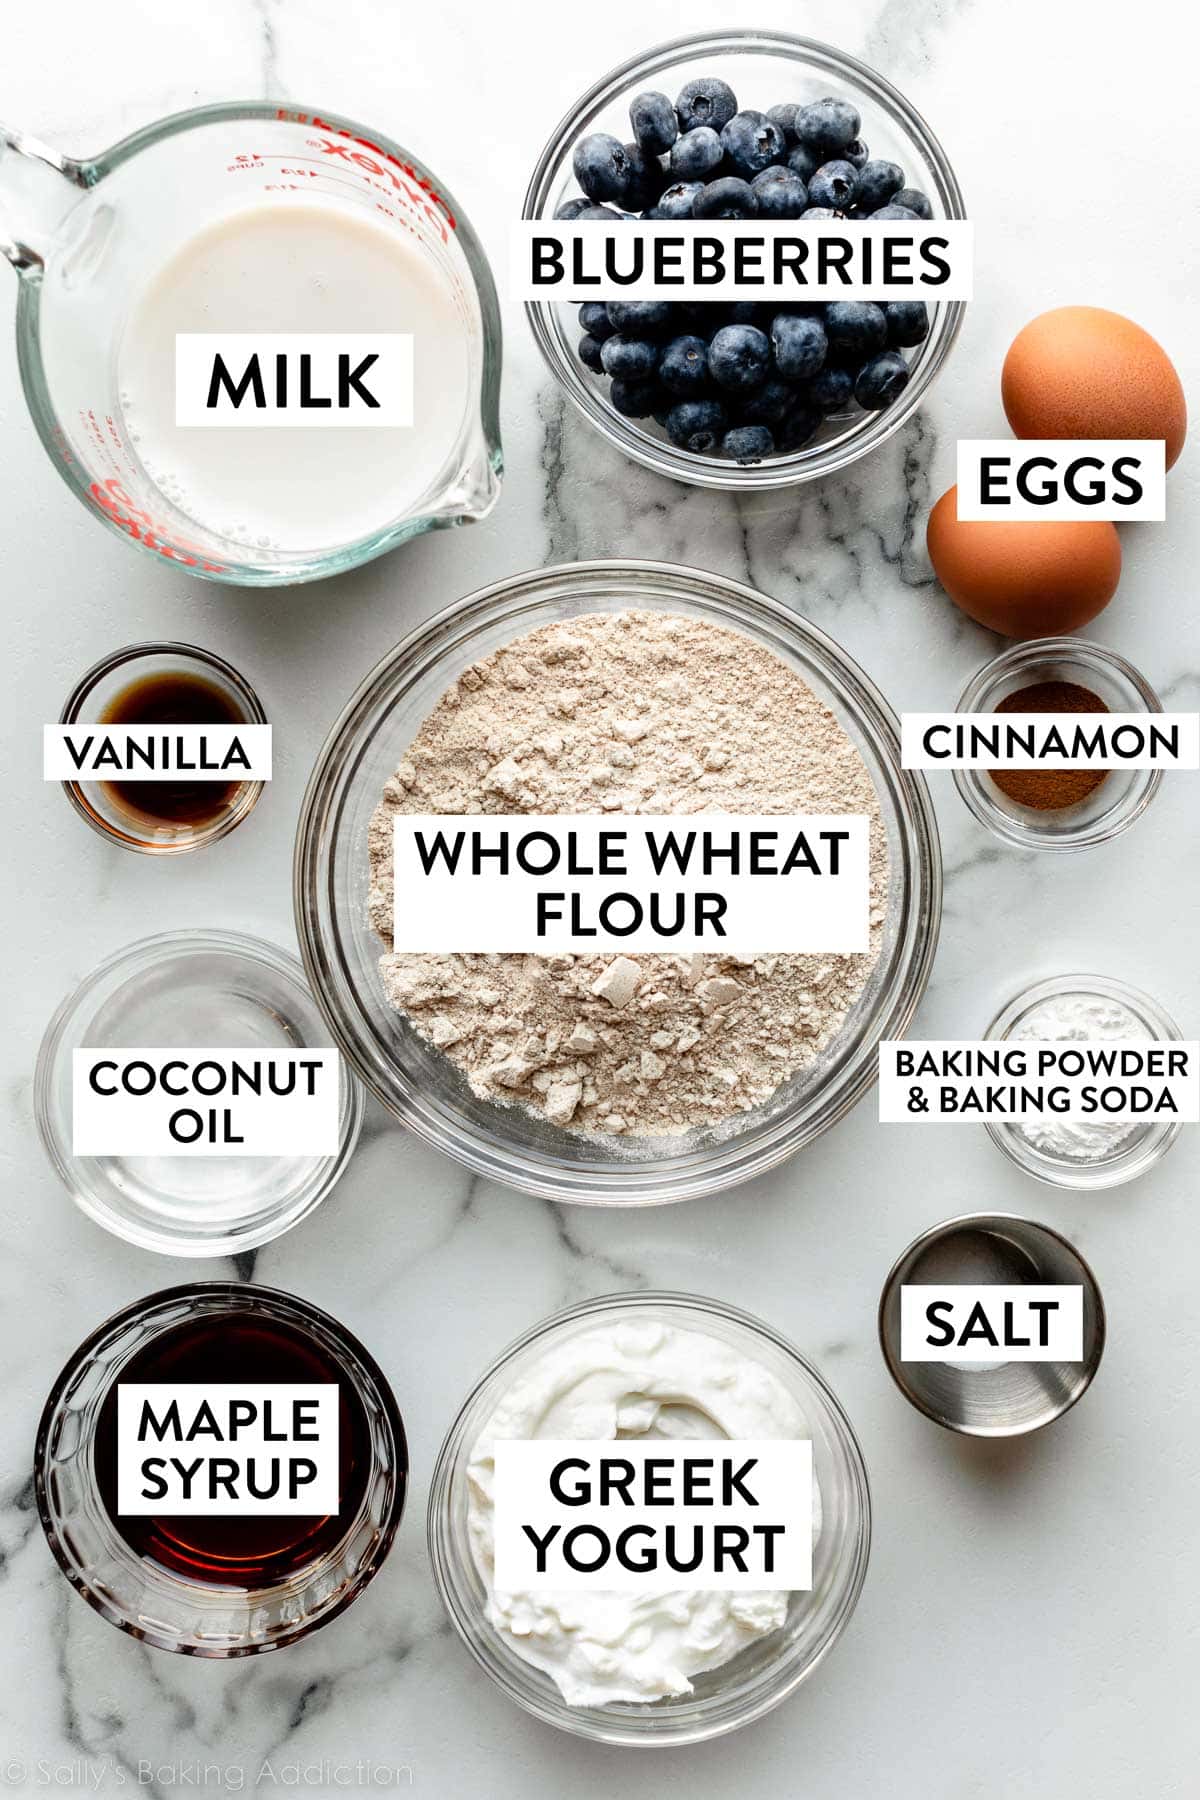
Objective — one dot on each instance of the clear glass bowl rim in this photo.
(141, 950)
(663, 457)
(242, 1293)
(316, 903)
(977, 792)
(87, 173)
(1082, 1175)
(186, 653)
(595, 1723)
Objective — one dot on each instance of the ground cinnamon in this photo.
(1048, 790)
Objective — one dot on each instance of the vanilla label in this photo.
(1062, 478)
(233, 1448)
(205, 1102)
(652, 1515)
(156, 752)
(1141, 1081)
(984, 1325)
(1050, 740)
(753, 259)
(520, 883)
(293, 378)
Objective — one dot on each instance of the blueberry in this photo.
(645, 181)
(601, 212)
(697, 425)
(748, 443)
(745, 312)
(739, 357)
(916, 202)
(752, 143)
(803, 162)
(892, 211)
(785, 117)
(780, 194)
(832, 390)
(726, 198)
(635, 399)
(797, 427)
(907, 321)
(820, 212)
(676, 201)
(856, 153)
(589, 353)
(705, 101)
(834, 184)
(697, 154)
(633, 359)
(571, 209)
(882, 380)
(684, 366)
(601, 166)
(767, 404)
(856, 325)
(640, 318)
(827, 126)
(594, 319)
(654, 123)
(800, 346)
(877, 182)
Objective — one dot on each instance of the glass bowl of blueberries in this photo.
(751, 394)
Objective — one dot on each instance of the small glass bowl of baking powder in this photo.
(1115, 801)
(1084, 1154)
(769, 1668)
(108, 694)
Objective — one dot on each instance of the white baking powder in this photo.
(1077, 1018)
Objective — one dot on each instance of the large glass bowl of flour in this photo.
(502, 1138)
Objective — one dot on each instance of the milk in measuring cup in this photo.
(302, 266)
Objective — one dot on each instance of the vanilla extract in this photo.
(176, 697)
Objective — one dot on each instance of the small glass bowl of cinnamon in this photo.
(1058, 808)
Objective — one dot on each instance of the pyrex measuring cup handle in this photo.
(37, 186)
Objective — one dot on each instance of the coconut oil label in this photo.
(233, 1448)
(205, 1102)
(653, 1515)
(560, 884)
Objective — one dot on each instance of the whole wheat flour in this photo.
(628, 712)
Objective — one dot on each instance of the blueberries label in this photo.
(1140, 1080)
(741, 259)
(1048, 740)
(577, 884)
(235, 1448)
(653, 1515)
(322, 379)
(156, 752)
(203, 1102)
(991, 1324)
(1062, 478)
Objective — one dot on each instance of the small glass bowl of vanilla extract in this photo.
(163, 684)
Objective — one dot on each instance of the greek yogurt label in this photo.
(653, 1515)
(235, 1448)
(205, 1102)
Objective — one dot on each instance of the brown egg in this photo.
(1025, 581)
(1081, 372)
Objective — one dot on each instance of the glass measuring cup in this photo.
(85, 236)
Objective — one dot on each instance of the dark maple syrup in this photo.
(173, 697)
(257, 1551)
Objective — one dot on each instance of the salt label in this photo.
(984, 1325)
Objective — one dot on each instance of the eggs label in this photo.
(581, 884)
(980, 1326)
(1062, 479)
(1138, 1079)
(653, 1515)
(741, 259)
(1049, 740)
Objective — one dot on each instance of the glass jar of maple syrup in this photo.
(220, 1469)
(160, 686)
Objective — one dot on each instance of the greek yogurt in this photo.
(631, 1379)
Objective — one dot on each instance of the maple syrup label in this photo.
(237, 1449)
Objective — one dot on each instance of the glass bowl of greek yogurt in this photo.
(1088, 1153)
(501, 1134)
(643, 1669)
(763, 68)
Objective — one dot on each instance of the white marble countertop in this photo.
(1026, 1625)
